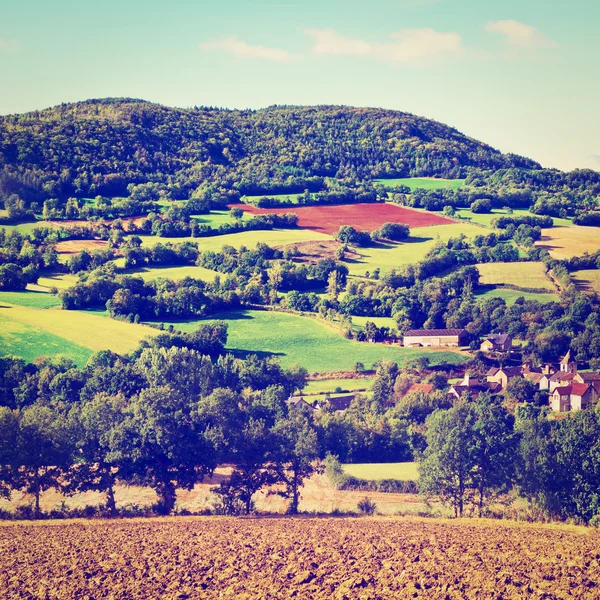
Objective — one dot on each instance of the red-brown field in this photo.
(75, 246)
(364, 217)
(219, 557)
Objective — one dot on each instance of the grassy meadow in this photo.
(175, 273)
(421, 240)
(249, 239)
(519, 274)
(511, 296)
(567, 242)
(328, 386)
(29, 299)
(425, 183)
(284, 198)
(588, 280)
(360, 322)
(486, 219)
(403, 471)
(305, 341)
(30, 332)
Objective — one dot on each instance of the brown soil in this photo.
(365, 217)
(340, 558)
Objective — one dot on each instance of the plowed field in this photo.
(364, 217)
(301, 558)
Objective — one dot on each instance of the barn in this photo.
(436, 338)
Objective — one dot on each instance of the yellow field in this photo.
(271, 237)
(520, 274)
(566, 242)
(83, 328)
(588, 281)
(60, 281)
(175, 273)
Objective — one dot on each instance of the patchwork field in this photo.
(216, 557)
(31, 332)
(249, 239)
(425, 183)
(588, 281)
(566, 242)
(421, 240)
(174, 273)
(365, 217)
(520, 274)
(511, 296)
(325, 386)
(308, 342)
(403, 471)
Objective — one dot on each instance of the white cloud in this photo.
(235, 47)
(408, 46)
(8, 44)
(520, 35)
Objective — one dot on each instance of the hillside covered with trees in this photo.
(102, 146)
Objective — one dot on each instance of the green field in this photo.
(325, 386)
(249, 239)
(588, 280)
(360, 322)
(284, 198)
(30, 299)
(421, 240)
(174, 273)
(47, 332)
(486, 219)
(215, 218)
(25, 227)
(425, 183)
(519, 274)
(511, 296)
(404, 471)
(60, 281)
(304, 341)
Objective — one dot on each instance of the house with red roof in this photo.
(576, 396)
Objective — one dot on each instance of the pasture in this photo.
(403, 471)
(588, 280)
(486, 218)
(414, 249)
(249, 239)
(423, 183)
(364, 217)
(567, 242)
(175, 273)
(30, 299)
(308, 342)
(31, 332)
(283, 198)
(60, 281)
(328, 386)
(519, 274)
(360, 322)
(511, 296)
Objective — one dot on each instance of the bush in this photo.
(366, 506)
(482, 206)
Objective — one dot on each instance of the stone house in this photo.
(576, 396)
(496, 342)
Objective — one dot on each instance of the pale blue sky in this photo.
(520, 75)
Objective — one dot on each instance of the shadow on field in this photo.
(243, 354)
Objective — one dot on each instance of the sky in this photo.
(521, 75)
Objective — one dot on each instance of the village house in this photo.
(503, 375)
(560, 379)
(473, 386)
(435, 338)
(593, 380)
(576, 396)
(496, 342)
(300, 402)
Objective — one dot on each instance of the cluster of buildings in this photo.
(567, 388)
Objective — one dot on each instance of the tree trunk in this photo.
(37, 493)
(167, 496)
(110, 498)
(295, 494)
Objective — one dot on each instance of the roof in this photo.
(434, 332)
(498, 338)
(533, 376)
(562, 376)
(567, 358)
(299, 401)
(427, 388)
(591, 376)
(341, 402)
(510, 371)
(575, 389)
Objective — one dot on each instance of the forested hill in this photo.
(101, 146)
